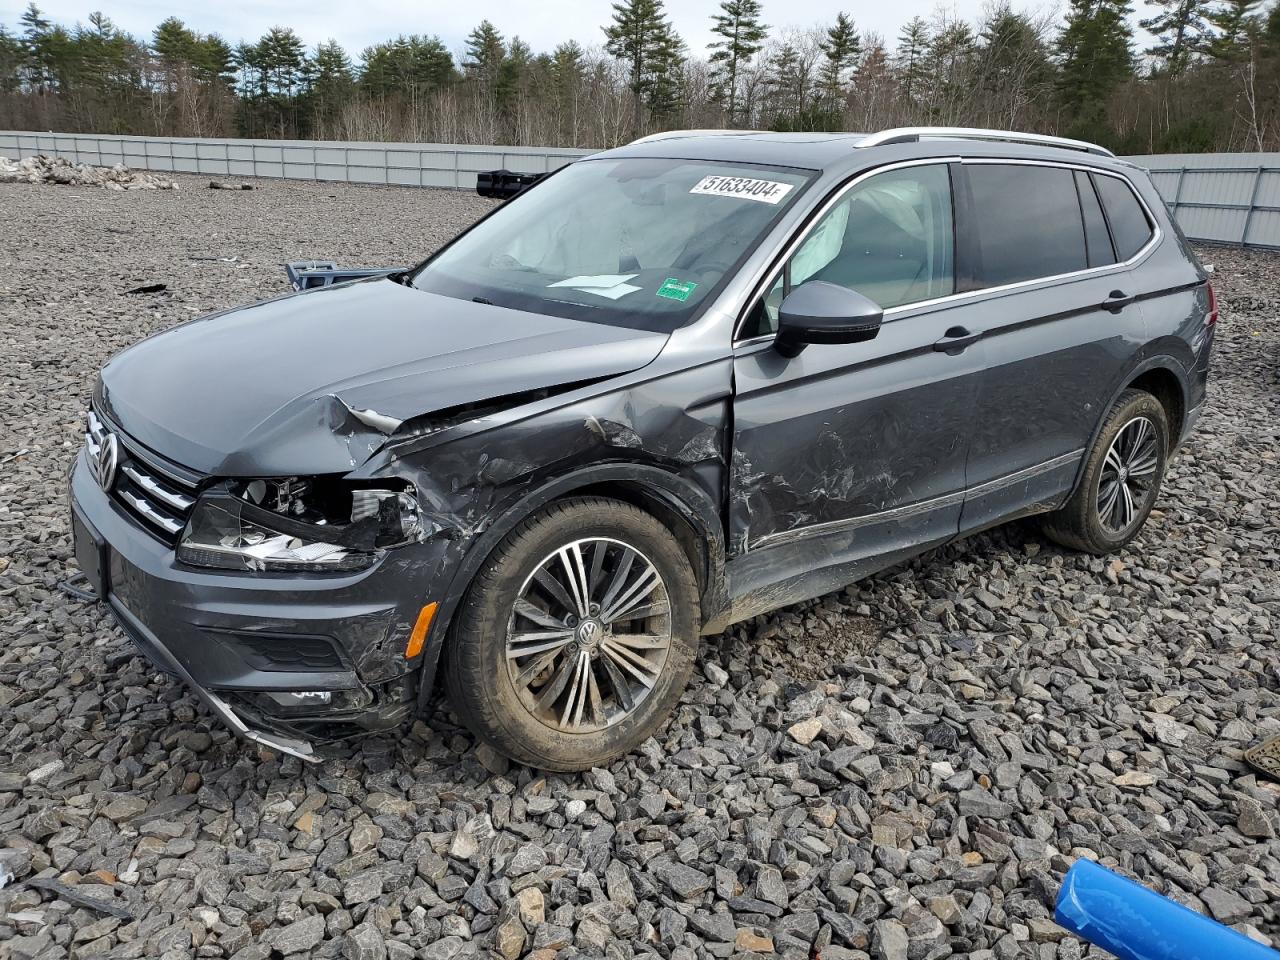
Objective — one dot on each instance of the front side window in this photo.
(890, 238)
(1027, 223)
(1130, 228)
(632, 242)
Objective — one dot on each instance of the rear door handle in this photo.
(956, 339)
(1117, 301)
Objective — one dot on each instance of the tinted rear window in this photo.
(1130, 228)
(1095, 227)
(1028, 223)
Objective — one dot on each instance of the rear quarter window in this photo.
(1096, 236)
(1027, 222)
(1130, 228)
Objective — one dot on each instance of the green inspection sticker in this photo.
(674, 289)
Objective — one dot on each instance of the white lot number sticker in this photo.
(745, 188)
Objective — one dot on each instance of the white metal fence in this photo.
(396, 164)
(1223, 197)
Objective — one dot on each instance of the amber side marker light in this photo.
(419, 634)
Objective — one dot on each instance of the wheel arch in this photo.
(1165, 378)
(679, 504)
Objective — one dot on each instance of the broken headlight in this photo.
(300, 524)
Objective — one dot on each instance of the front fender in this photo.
(677, 494)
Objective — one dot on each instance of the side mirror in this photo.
(821, 312)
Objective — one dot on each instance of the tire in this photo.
(539, 707)
(1092, 520)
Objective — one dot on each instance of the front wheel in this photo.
(577, 637)
(1121, 478)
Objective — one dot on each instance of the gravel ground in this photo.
(901, 770)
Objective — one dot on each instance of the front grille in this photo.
(159, 497)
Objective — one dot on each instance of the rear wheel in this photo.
(577, 638)
(1121, 478)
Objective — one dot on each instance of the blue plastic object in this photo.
(1135, 923)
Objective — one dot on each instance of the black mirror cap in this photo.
(821, 312)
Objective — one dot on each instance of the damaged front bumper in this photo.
(285, 660)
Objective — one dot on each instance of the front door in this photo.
(850, 455)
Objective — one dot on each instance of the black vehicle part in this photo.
(503, 184)
(1080, 523)
(498, 708)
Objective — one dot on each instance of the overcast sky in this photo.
(541, 23)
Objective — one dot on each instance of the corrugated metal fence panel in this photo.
(1224, 197)
(1227, 197)
(403, 164)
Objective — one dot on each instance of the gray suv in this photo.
(670, 387)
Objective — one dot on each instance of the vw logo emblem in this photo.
(587, 631)
(104, 454)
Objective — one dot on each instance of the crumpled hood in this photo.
(313, 383)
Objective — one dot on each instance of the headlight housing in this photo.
(298, 524)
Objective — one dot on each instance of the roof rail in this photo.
(674, 134)
(915, 134)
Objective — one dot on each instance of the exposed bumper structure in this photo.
(159, 655)
(287, 661)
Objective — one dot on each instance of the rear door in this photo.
(857, 450)
(1061, 322)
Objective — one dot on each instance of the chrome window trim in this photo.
(766, 277)
(919, 506)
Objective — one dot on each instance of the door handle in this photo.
(956, 339)
(1117, 301)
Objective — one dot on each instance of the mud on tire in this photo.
(523, 629)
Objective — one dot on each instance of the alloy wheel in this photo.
(589, 635)
(1128, 478)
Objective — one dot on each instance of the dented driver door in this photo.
(853, 449)
(850, 456)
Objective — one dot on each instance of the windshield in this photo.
(636, 243)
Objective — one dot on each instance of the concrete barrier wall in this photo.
(1223, 197)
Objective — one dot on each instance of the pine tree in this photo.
(667, 94)
(785, 84)
(409, 66)
(1014, 71)
(10, 61)
(641, 36)
(1180, 28)
(741, 35)
(913, 48)
(1235, 22)
(174, 44)
(214, 59)
(45, 49)
(485, 49)
(331, 83)
(840, 52)
(1096, 56)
